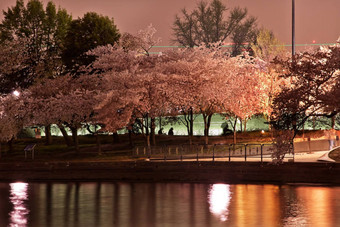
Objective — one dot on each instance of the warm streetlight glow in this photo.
(16, 93)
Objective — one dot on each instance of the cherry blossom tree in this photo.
(180, 68)
(314, 77)
(131, 94)
(179, 82)
(314, 86)
(147, 39)
(65, 101)
(10, 121)
(118, 64)
(213, 83)
(13, 56)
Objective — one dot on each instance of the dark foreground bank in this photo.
(202, 172)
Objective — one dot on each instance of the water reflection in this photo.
(18, 196)
(166, 204)
(294, 208)
(219, 200)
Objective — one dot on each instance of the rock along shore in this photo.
(199, 172)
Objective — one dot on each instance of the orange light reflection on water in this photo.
(18, 217)
(319, 203)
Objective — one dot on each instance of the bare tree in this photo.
(206, 24)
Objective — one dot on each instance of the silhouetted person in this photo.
(160, 131)
(226, 130)
(171, 132)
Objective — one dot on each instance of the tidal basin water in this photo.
(167, 204)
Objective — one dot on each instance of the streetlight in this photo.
(16, 93)
(293, 28)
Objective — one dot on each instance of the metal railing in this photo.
(217, 152)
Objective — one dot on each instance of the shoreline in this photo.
(180, 172)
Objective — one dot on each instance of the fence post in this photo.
(214, 152)
(197, 153)
(262, 152)
(229, 151)
(292, 144)
(245, 152)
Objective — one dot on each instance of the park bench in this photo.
(29, 148)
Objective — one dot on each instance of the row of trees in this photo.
(71, 76)
(122, 87)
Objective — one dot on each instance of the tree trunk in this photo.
(208, 126)
(115, 138)
(99, 147)
(191, 125)
(245, 125)
(142, 127)
(66, 137)
(48, 135)
(207, 121)
(234, 128)
(10, 145)
(147, 130)
(148, 140)
(75, 138)
(153, 133)
(333, 122)
(303, 131)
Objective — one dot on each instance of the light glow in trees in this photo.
(10, 121)
(313, 91)
(185, 82)
(314, 77)
(65, 101)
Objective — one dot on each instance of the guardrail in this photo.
(217, 152)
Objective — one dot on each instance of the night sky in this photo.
(317, 20)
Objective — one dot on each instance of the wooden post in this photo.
(214, 152)
(245, 152)
(229, 152)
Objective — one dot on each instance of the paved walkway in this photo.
(310, 157)
(299, 157)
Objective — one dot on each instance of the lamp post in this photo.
(293, 28)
